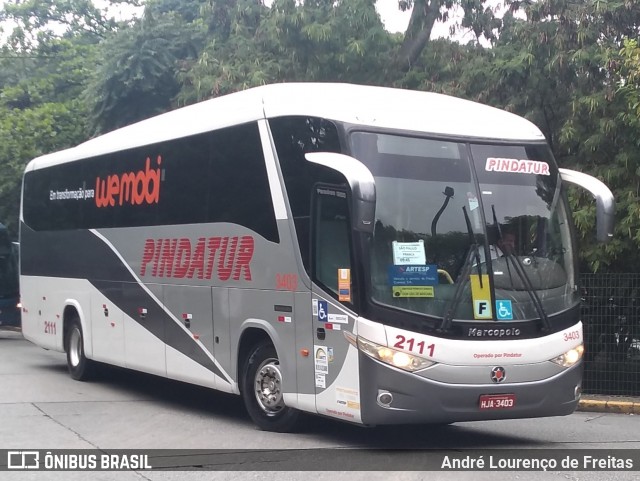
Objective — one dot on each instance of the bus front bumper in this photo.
(416, 399)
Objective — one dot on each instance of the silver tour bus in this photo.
(374, 255)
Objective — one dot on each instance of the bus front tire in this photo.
(80, 368)
(262, 391)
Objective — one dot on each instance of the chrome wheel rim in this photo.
(268, 387)
(75, 347)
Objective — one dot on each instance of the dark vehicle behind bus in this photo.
(9, 282)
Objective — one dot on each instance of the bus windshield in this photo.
(456, 221)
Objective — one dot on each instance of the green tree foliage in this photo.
(45, 64)
(619, 132)
(40, 112)
(34, 21)
(136, 77)
(320, 40)
(478, 16)
(28, 133)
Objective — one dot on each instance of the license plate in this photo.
(497, 401)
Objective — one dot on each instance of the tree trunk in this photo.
(423, 17)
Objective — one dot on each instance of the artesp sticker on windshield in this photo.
(426, 275)
(517, 166)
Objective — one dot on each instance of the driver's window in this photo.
(331, 242)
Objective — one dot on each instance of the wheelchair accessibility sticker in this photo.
(323, 311)
(504, 310)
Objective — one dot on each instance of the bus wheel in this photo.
(262, 391)
(80, 368)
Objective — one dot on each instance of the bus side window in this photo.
(294, 137)
(331, 237)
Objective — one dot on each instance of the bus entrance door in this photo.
(335, 361)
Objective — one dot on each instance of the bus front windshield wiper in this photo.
(473, 253)
(522, 274)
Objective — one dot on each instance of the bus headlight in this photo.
(570, 357)
(393, 357)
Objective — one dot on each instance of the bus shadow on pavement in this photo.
(174, 394)
(202, 401)
(418, 436)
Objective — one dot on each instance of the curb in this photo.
(609, 405)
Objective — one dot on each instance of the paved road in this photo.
(42, 408)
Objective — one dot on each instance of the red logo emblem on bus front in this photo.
(498, 374)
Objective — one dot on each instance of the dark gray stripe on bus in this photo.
(79, 254)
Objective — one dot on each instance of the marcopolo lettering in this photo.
(476, 332)
(135, 188)
(180, 258)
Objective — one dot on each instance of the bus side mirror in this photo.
(605, 203)
(361, 183)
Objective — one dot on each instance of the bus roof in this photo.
(357, 104)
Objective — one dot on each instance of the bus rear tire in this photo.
(262, 391)
(80, 368)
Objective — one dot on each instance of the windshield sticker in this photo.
(473, 208)
(517, 166)
(413, 291)
(481, 295)
(473, 201)
(409, 253)
(344, 285)
(504, 310)
(321, 381)
(426, 275)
